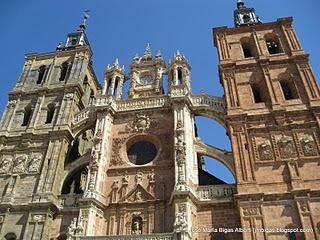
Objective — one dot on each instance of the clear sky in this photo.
(121, 28)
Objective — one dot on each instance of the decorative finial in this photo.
(116, 62)
(84, 21)
(147, 52)
(136, 57)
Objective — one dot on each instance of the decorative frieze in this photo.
(251, 211)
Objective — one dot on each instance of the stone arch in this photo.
(75, 178)
(222, 156)
(209, 113)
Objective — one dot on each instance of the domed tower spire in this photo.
(244, 16)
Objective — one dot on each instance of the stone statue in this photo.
(137, 226)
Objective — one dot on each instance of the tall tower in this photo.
(37, 133)
(272, 118)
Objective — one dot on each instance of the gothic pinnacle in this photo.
(147, 52)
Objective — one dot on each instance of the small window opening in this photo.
(85, 81)
(172, 75)
(50, 113)
(42, 71)
(289, 90)
(256, 93)
(65, 69)
(74, 41)
(179, 76)
(92, 98)
(246, 18)
(26, 116)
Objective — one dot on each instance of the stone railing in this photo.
(82, 115)
(216, 103)
(155, 236)
(135, 104)
(216, 192)
(69, 200)
(179, 91)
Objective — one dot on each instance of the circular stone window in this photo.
(142, 152)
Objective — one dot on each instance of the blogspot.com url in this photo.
(256, 230)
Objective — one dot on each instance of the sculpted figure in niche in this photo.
(136, 225)
(5, 165)
(19, 163)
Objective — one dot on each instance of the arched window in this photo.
(247, 49)
(108, 92)
(75, 184)
(288, 89)
(179, 82)
(50, 113)
(26, 115)
(292, 236)
(10, 236)
(116, 85)
(246, 18)
(256, 91)
(136, 226)
(42, 71)
(65, 70)
(273, 44)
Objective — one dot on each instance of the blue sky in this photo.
(121, 28)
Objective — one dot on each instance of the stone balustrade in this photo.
(203, 100)
(216, 192)
(155, 236)
(82, 116)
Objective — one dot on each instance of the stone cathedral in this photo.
(78, 161)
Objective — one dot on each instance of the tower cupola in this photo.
(179, 73)
(113, 81)
(244, 16)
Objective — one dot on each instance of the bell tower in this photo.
(36, 132)
(273, 104)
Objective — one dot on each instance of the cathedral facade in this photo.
(78, 161)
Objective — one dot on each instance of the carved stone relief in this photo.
(251, 211)
(264, 148)
(141, 123)
(286, 146)
(34, 163)
(308, 145)
(19, 163)
(5, 164)
(180, 223)
(116, 156)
